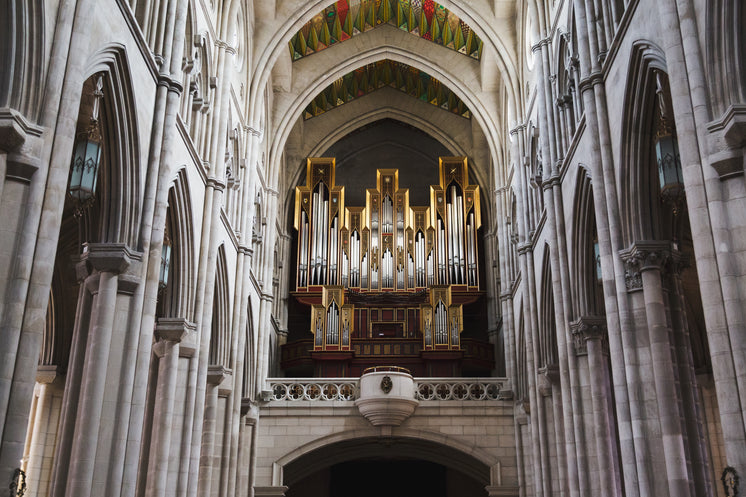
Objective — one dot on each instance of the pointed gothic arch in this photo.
(586, 288)
(641, 216)
(421, 444)
(548, 354)
(521, 380)
(22, 54)
(248, 388)
(320, 76)
(177, 299)
(117, 218)
(220, 340)
(278, 35)
(726, 55)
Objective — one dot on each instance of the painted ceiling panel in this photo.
(347, 18)
(380, 74)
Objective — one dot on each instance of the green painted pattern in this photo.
(384, 73)
(347, 18)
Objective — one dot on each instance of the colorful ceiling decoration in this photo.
(383, 73)
(347, 18)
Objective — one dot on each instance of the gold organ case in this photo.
(387, 269)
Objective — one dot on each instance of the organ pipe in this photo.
(460, 235)
(364, 272)
(333, 252)
(404, 248)
(303, 249)
(324, 235)
(442, 268)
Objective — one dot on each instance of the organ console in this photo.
(387, 270)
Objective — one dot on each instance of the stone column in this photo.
(713, 193)
(645, 260)
(520, 420)
(249, 417)
(125, 461)
(267, 299)
(692, 402)
(590, 339)
(576, 471)
(215, 377)
(552, 376)
(73, 384)
(45, 429)
(542, 480)
(107, 261)
(505, 286)
(27, 293)
(526, 260)
(169, 334)
(208, 256)
(630, 409)
(493, 331)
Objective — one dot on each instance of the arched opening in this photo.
(384, 176)
(99, 214)
(660, 260)
(386, 466)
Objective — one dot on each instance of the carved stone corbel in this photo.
(642, 256)
(588, 328)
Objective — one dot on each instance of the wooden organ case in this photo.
(386, 283)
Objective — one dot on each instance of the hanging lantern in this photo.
(86, 157)
(85, 166)
(165, 262)
(667, 156)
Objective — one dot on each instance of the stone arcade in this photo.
(372, 247)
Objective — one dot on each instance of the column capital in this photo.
(47, 373)
(524, 248)
(171, 84)
(20, 167)
(593, 79)
(643, 256)
(249, 410)
(109, 257)
(588, 328)
(215, 183)
(275, 491)
(541, 43)
(517, 129)
(216, 375)
(15, 129)
(727, 136)
(257, 133)
(502, 491)
(173, 329)
(547, 377)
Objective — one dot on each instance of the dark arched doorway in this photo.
(369, 467)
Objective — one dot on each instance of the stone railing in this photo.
(325, 389)
(313, 389)
(459, 388)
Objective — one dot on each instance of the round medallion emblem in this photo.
(386, 384)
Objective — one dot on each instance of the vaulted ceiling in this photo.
(347, 18)
(397, 75)
(448, 69)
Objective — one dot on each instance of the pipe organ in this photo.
(387, 245)
(332, 320)
(388, 269)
